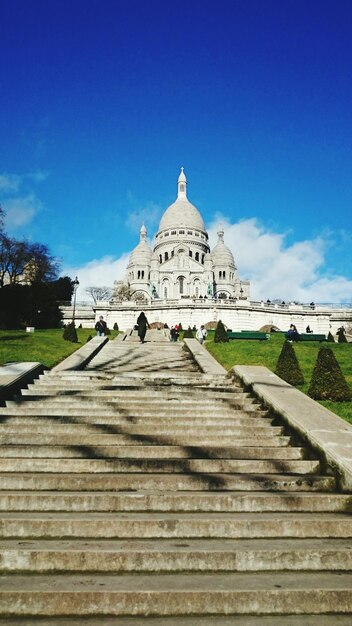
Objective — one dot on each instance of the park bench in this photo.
(248, 334)
(311, 337)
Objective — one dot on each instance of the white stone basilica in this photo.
(181, 264)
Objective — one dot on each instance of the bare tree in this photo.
(25, 262)
(122, 292)
(100, 293)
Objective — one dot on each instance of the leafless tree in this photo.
(100, 293)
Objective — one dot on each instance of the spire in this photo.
(220, 233)
(182, 185)
(143, 233)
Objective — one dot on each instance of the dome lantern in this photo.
(182, 185)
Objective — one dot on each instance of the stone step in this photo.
(92, 437)
(132, 389)
(167, 466)
(138, 379)
(194, 594)
(168, 414)
(96, 409)
(137, 394)
(146, 403)
(172, 502)
(69, 525)
(195, 555)
(161, 482)
(213, 620)
(238, 420)
(151, 452)
(76, 424)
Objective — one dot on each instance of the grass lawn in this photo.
(267, 352)
(45, 346)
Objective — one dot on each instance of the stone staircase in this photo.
(140, 491)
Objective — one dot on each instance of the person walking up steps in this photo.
(142, 324)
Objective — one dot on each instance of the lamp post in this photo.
(75, 284)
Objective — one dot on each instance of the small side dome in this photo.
(142, 254)
(221, 255)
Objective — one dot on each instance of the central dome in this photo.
(181, 212)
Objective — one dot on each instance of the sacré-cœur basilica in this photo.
(181, 264)
(182, 280)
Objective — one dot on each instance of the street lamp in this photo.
(75, 284)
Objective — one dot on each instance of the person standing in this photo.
(173, 333)
(142, 324)
(201, 334)
(100, 327)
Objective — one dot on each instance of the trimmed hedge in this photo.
(288, 367)
(220, 335)
(328, 381)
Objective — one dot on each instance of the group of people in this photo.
(174, 332)
(142, 325)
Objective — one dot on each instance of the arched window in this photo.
(196, 288)
(166, 256)
(197, 256)
(224, 274)
(165, 288)
(181, 281)
(219, 274)
(190, 252)
(138, 274)
(142, 274)
(160, 258)
(202, 259)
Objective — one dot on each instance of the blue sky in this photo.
(103, 101)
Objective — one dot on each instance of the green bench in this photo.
(311, 337)
(248, 334)
(308, 337)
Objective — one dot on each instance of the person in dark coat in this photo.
(100, 327)
(142, 324)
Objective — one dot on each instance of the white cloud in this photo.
(97, 273)
(10, 183)
(148, 215)
(20, 203)
(20, 210)
(279, 270)
(275, 269)
(38, 176)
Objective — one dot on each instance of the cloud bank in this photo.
(18, 200)
(96, 273)
(276, 269)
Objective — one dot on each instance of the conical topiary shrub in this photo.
(116, 326)
(328, 381)
(288, 367)
(220, 335)
(70, 333)
(331, 338)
